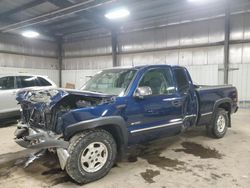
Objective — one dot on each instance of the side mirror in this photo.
(141, 92)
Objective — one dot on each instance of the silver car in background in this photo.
(11, 84)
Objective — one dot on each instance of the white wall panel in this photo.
(24, 45)
(246, 53)
(87, 47)
(235, 53)
(240, 26)
(172, 57)
(98, 62)
(241, 79)
(185, 57)
(173, 36)
(247, 25)
(77, 77)
(160, 39)
(52, 74)
(21, 61)
(200, 33)
(204, 74)
(186, 37)
(216, 30)
(200, 56)
(209, 31)
(216, 55)
(237, 27)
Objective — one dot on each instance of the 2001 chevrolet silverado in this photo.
(91, 128)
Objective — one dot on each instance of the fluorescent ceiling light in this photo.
(30, 34)
(117, 13)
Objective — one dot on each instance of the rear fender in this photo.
(220, 104)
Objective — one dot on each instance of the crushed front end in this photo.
(41, 124)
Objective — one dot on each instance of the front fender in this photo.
(116, 121)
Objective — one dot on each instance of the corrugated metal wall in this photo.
(85, 58)
(173, 43)
(239, 74)
(18, 54)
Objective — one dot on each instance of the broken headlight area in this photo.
(44, 109)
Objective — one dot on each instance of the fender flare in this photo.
(116, 121)
(221, 101)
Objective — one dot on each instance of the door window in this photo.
(7, 83)
(159, 80)
(181, 79)
(27, 81)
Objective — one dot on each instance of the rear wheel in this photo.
(92, 155)
(219, 125)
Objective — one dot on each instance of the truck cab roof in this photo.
(145, 67)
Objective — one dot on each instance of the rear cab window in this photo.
(182, 80)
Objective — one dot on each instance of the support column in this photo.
(114, 48)
(60, 59)
(227, 40)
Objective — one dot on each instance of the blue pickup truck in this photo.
(91, 128)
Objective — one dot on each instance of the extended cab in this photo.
(91, 128)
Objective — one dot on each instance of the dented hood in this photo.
(51, 97)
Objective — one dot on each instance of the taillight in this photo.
(235, 96)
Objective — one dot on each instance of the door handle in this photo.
(177, 103)
(14, 92)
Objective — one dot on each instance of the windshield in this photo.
(113, 82)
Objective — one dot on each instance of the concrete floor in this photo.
(188, 160)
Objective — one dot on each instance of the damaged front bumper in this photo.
(34, 138)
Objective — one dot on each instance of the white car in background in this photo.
(11, 84)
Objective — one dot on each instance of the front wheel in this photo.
(219, 125)
(92, 155)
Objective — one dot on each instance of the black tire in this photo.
(78, 144)
(214, 130)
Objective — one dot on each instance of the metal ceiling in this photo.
(84, 18)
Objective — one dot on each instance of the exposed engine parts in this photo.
(51, 105)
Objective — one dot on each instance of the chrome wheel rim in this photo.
(94, 157)
(221, 123)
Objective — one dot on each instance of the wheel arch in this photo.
(115, 125)
(225, 104)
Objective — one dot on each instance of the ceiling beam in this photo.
(31, 4)
(94, 18)
(61, 3)
(5, 17)
(54, 15)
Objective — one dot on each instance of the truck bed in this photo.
(210, 96)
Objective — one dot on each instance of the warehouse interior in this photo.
(79, 40)
(211, 38)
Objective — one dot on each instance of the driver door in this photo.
(158, 114)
